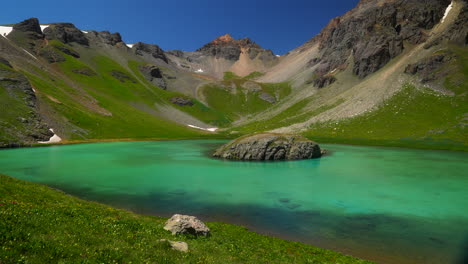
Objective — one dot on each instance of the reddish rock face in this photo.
(223, 40)
(229, 48)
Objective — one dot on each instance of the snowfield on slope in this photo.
(53, 139)
(447, 11)
(4, 30)
(212, 129)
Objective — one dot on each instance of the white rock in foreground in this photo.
(185, 224)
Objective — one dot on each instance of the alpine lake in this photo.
(387, 205)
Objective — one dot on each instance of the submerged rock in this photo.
(185, 224)
(268, 146)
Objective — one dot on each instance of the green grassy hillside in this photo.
(414, 117)
(83, 99)
(417, 116)
(41, 225)
(238, 97)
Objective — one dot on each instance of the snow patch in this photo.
(84, 31)
(447, 11)
(130, 45)
(44, 27)
(212, 129)
(4, 31)
(53, 139)
(200, 71)
(29, 54)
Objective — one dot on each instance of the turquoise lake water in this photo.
(382, 204)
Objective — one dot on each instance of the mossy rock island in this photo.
(269, 147)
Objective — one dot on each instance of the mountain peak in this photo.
(223, 39)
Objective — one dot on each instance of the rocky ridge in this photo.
(28, 127)
(373, 33)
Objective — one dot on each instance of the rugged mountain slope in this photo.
(225, 54)
(386, 72)
(363, 59)
(90, 85)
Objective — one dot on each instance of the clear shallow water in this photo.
(383, 204)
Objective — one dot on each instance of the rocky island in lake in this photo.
(269, 146)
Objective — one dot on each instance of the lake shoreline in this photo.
(325, 141)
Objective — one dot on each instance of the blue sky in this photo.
(187, 25)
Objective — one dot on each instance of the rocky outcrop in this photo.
(430, 69)
(267, 97)
(66, 33)
(323, 81)
(29, 25)
(68, 51)
(458, 32)
(5, 62)
(20, 123)
(185, 224)
(105, 37)
(27, 33)
(122, 77)
(372, 34)
(223, 47)
(51, 55)
(84, 71)
(143, 49)
(269, 147)
(154, 75)
(181, 101)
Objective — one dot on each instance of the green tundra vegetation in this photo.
(42, 225)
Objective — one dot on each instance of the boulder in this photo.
(269, 146)
(185, 224)
(177, 245)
